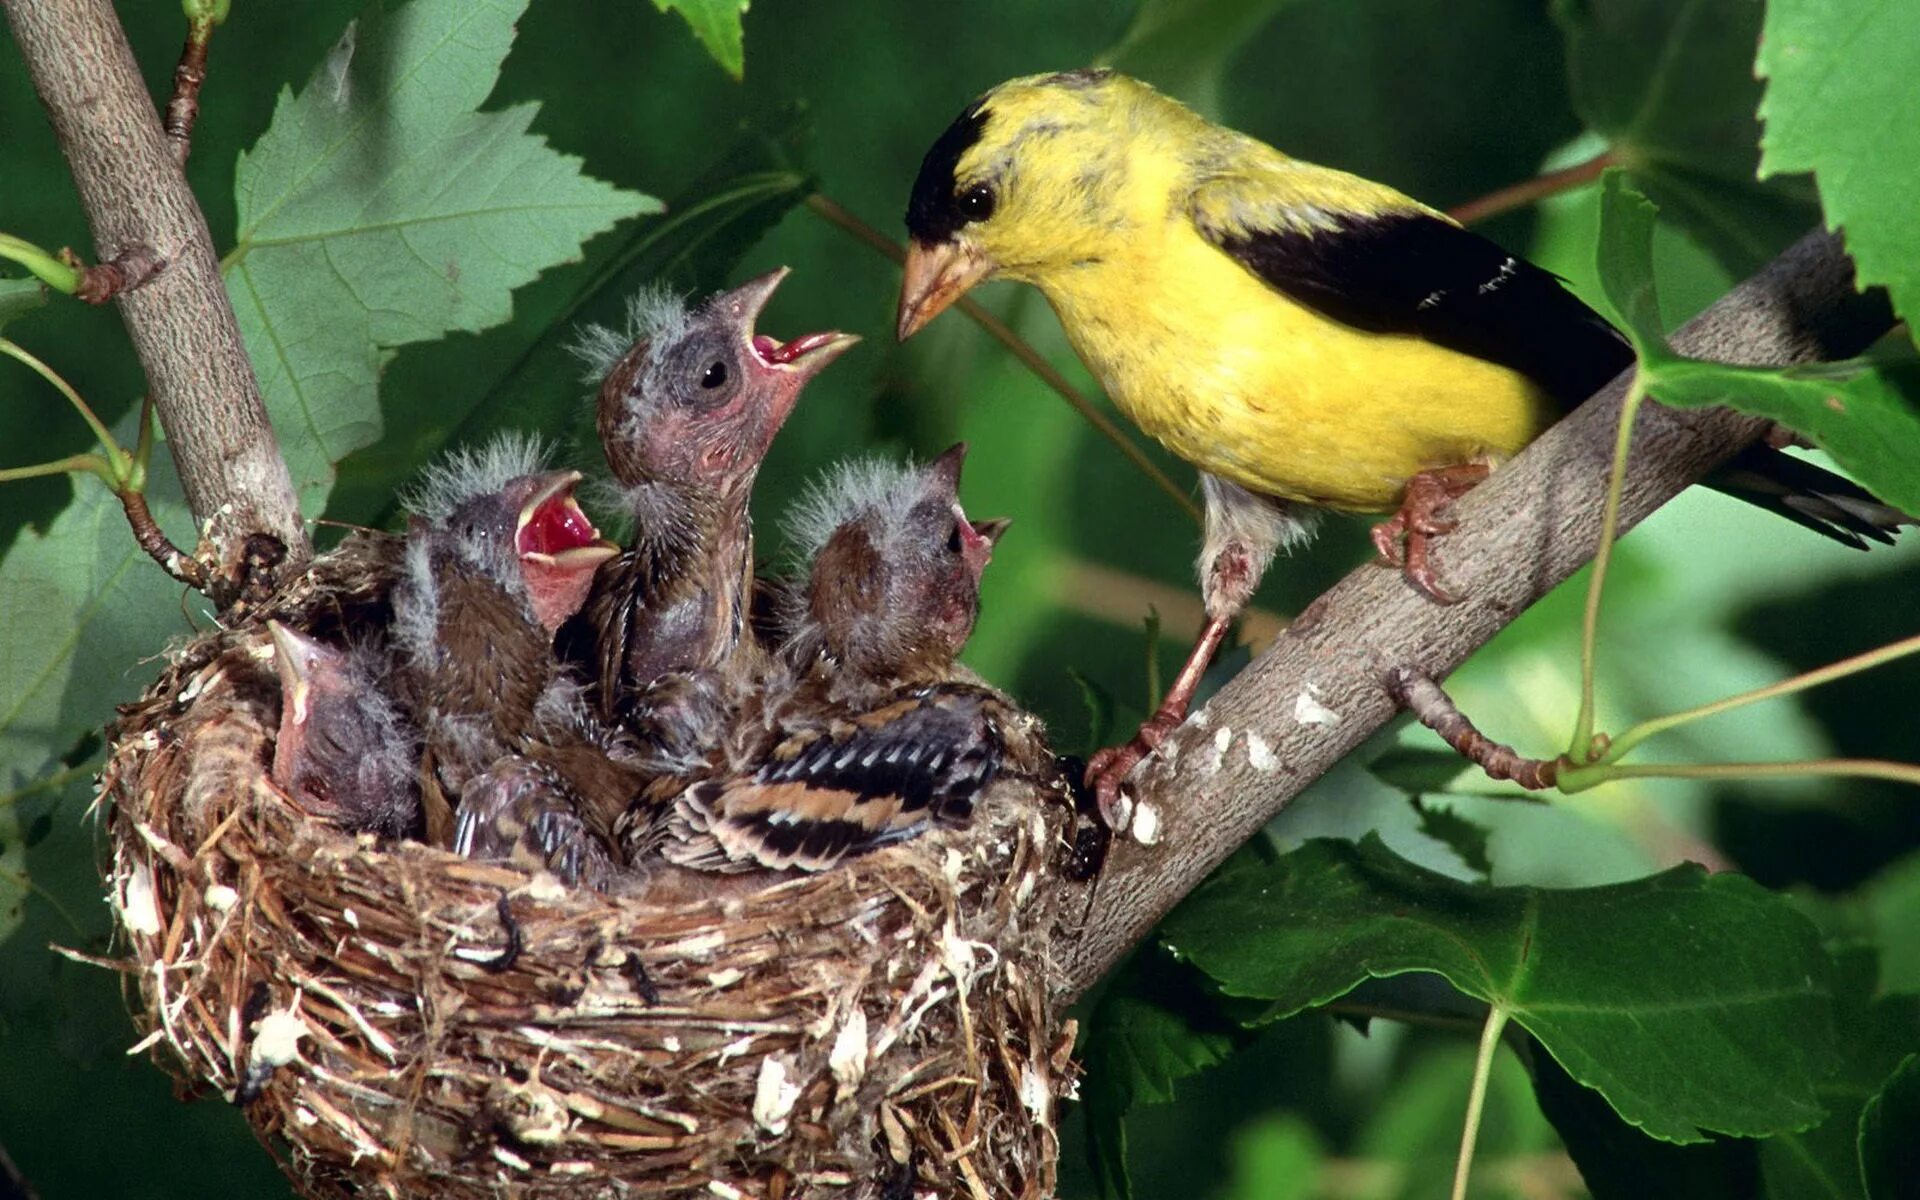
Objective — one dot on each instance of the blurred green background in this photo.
(1444, 101)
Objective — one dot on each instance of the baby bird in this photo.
(498, 556)
(344, 752)
(689, 402)
(1308, 339)
(869, 733)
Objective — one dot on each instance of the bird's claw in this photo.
(1109, 769)
(1405, 540)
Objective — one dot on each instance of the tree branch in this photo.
(180, 321)
(1322, 689)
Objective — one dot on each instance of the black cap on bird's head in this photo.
(964, 179)
(697, 395)
(894, 581)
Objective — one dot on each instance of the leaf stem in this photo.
(1580, 749)
(1529, 191)
(1579, 779)
(47, 268)
(1477, 1096)
(834, 214)
(1632, 737)
(14, 351)
(92, 463)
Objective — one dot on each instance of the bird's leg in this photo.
(1107, 769)
(1419, 521)
(1243, 531)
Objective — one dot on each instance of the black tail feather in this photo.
(1809, 496)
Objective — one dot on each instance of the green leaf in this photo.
(19, 296)
(1670, 85)
(1182, 47)
(710, 224)
(1876, 1033)
(1152, 1027)
(1839, 84)
(1275, 1158)
(380, 208)
(1467, 839)
(717, 24)
(1865, 412)
(1619, 1162)
(86, 611)
(1889, 1155)
(1625, 260)
(1619, 983)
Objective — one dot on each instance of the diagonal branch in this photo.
(1322, 688)
(180, 321)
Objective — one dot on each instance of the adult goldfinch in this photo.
(1308, 339)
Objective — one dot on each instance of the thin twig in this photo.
(1432, 707)
(175, 562)
(101, 282)
(1529, 191)
(1028, 356)
(183, 109)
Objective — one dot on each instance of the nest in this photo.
(397, 1020)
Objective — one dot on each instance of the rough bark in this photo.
(181, 324)
(1322, 689)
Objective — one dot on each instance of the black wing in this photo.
(1410, 271)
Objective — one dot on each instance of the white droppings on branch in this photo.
(1146, 824)
(1260, 755)
(1308, 710)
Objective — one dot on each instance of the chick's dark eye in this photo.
(976, 203)
(953, 541)
(716, 374)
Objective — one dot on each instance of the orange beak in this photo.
(936, 276)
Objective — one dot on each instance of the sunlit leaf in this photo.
(717, 24)
(1837, 82)
(381, 208)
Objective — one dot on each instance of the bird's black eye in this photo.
(716, 374)
(976, 203)
(953, 541)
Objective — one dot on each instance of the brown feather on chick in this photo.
(867, 732)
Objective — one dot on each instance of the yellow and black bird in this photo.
(1308, 339)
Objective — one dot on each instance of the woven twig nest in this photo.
(397, 1020)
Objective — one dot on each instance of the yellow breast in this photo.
(1245, 383)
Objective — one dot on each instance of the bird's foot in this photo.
(1405, 540)
(1110, 768)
